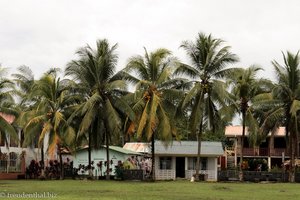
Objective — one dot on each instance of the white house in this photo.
(178, 159)
(13, 150)
(99, 155)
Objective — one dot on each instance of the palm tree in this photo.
(95, 72)
(208, 61)
(48, 115)
(24, 79)
(246, 91)
(285, 104)
(7, 107)
(155, 96)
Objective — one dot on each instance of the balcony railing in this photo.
(262, 152)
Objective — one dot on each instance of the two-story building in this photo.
(273, 149)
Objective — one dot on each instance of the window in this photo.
(165, 162)
(2, 142)
(2, 139)
(193, 161)
(13, 159)
(203, 163)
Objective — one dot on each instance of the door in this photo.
(180, 167)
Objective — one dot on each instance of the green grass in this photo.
(173, 190)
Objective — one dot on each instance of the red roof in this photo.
(237, 131)
(9, 118)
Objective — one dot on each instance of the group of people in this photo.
(137, 162)
(52, 170)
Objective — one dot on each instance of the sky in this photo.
(46, 33)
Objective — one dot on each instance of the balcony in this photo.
(262, 152)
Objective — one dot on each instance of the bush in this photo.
(258, 165)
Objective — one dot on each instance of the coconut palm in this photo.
(155, 97)
(285, 103)
(24, 79)
(95, 72)
(246, 91)
(208, 59)
(48, 117)
(7, 109)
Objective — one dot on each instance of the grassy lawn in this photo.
(81, 189)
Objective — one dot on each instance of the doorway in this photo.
(180, 167)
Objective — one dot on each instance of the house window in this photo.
(203, 163)
(165, 162)
(13, 159)
(2, 142)
(193, 161)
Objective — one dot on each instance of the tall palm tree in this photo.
(155, 96)
(24, 79)
(286, 103)
(208, 61)
(246, 91)
(48, 115)
(95, 72)
(6, 108)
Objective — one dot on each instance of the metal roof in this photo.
(115, 148)
(141, 147)
(124, 151)
(189, 148)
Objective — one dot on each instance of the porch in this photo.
(170, 174)
(170, 168)
(263, 152)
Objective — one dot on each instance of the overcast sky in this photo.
(46, 33)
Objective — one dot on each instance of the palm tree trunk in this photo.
(199, 138)
(42, 162)
(297, 146)
(107, 155)
(61, 165)
(292, 158)
(153, 157)
(241, 174)
(90, 155)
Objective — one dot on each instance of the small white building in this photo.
(99, 155)
(178, 159)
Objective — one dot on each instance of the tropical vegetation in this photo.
(155, 96)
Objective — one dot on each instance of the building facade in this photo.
(273, 149)
(178, 159)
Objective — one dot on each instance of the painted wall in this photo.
(212, 166)
(81, 157)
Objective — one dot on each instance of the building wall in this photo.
(212, 169)
(81, 157)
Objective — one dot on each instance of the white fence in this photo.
(171, 174)
(211, 174)
(165, 174)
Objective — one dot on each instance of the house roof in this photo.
(233, 131)
(9, 118)
(115, 148)
(124, 151)
(189, 148)
(140, 147)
